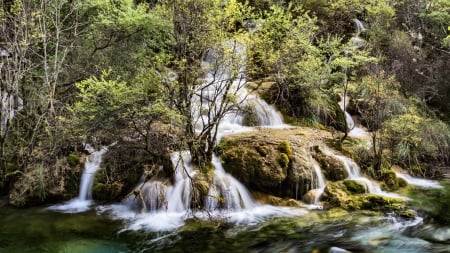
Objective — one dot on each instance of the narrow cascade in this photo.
(84, 199)
(179, 195)
(354, 173)
(10, 105)
(420, 182)
(226, 191)
(267, 115)
(359, 26)
(356, 40)
(348, 118)
(320, 182)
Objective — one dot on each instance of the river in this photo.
(43, 230)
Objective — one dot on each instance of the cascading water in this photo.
(320, 186)
(354, 173)
(227, 197)
(226, 191)
(9, 106)
(420, 182)
(84, 200)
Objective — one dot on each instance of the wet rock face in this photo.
(272, 161)
(257, 166)
(332, 167)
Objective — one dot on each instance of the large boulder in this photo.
(274, 161)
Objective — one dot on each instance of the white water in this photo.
(354, 173)
(420, 182)
(232, 194)
(320, 182)
(227, 198)
(84, 200)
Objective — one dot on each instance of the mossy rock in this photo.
(380, 203)
(355, 186)
(73, 159)
(337, 195)
(250, 116)
(273, 161)
(332, 168)
(390, 180)
(107, 192)
(285, 148)
(407, 214)
(201, 185)
(261, 170)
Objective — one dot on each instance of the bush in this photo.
(418, 142)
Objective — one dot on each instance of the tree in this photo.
(201, 28)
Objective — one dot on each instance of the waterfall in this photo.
(320, 182)
(348, 118)
(84, 200)
(420, 182)
(227, 192)
(357, 42)
(10, 105)
(179, 196)
(354, 173)
(359, 26)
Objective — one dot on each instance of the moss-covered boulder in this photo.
(263, 171)
(355, 186)
(390, 180)
(274, 161)
(337, 195)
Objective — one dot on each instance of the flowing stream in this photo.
(162, 216)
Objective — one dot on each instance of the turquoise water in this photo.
(41, 230)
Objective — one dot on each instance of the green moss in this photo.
(338, 196)
(354, 186)
(284, 160)
(332, 168)
(402, 182)
(286, 148)
(408, 213)
(73, 159)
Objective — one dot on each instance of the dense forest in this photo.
(74, 72)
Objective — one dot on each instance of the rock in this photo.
(337, 250)
(337, 195)
(310, 196)
(333, 168)
(355, 186)
(272, 161)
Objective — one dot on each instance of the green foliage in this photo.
(109, 107)
(73, 159)
(418, 142)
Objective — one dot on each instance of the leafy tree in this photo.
(107, 109)
(203, 29)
